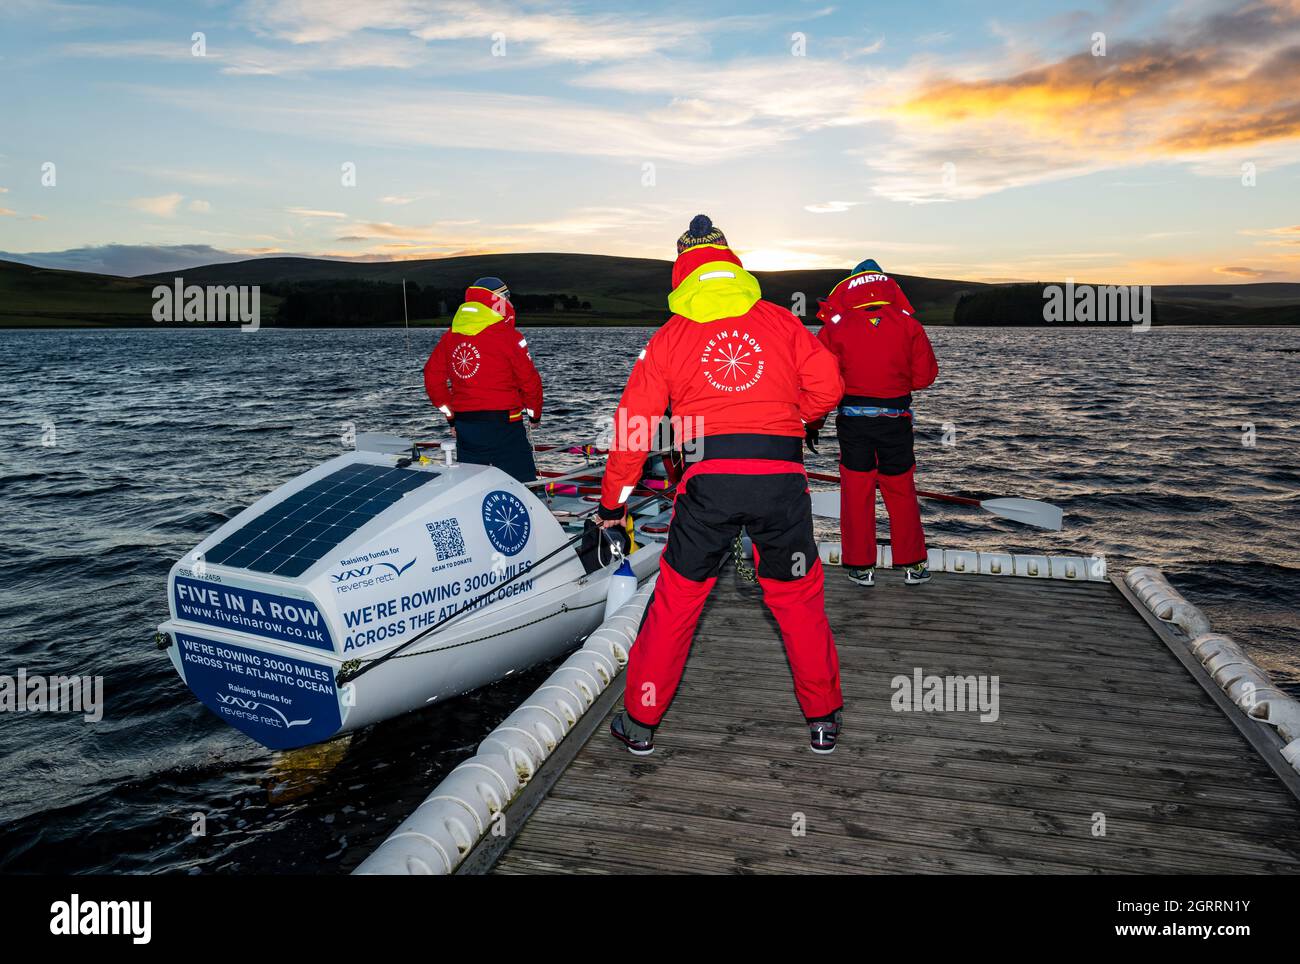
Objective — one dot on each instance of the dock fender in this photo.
(1208, 645)
(1283, 712)
(593, 668)
(409, 854)
(441, 818)
(1164, 601)
(1291, 753)
(478, 797)
(1034, 567)
(609, 643)
(960, 560)
(493, 767)
(1071, 567)
(521, 748)
(566, 702)
(997, 564)
(1247, 686)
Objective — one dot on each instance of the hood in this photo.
(865, 289)
(474, 316)
(498, 305)
(709, 283)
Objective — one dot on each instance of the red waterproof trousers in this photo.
(769, 499)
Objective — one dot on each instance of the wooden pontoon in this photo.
(1105, 723)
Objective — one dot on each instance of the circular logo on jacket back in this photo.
(732, 360)
(506, 520)
(465, 360)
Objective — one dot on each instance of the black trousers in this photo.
(876, 444)
(709, 513)
(500, 443)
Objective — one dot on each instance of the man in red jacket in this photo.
(884, 356)
(742, 376)
(482, 378)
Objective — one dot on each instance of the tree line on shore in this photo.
(319, 304)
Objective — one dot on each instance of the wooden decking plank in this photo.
(1064, 837)
(1096, 714)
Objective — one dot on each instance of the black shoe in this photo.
(865, 576)
(823, 733)
(639, 740)
(917, 574)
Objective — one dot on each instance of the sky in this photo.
(1118, 142)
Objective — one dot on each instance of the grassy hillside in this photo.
(49, 298)
(621, 291)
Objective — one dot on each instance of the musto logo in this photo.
(732, 361)
(506, 520)
(465, 359)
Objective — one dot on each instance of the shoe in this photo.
(863, 577)
(917, 574)
(639, 740)
(822, 734)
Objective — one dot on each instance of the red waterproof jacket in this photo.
(727, 362)
(883, 352)
(482, 363)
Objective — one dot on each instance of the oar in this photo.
(1030, 512)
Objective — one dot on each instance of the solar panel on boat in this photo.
(288, 538)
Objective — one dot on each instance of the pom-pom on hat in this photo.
(700, 232)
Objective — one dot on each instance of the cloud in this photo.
(1202, 92)
(315, 213)
(476, 120)
(163, 206)
(1251, 273)
(200, 207)
(8, 213)
(831, 207)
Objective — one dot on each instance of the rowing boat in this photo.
(341, 568)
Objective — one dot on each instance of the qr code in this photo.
(448, 543)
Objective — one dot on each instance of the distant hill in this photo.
(618, 291)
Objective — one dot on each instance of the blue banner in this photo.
(279, 701)
(255, 613)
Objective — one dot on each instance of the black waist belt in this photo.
(484, 415)
(902, 401)
(781, 448)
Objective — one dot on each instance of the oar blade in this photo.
(826, 503)
(1030, 512)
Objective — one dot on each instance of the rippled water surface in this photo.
(160, 436)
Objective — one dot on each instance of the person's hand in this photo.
(609, 518)
(811, 434)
